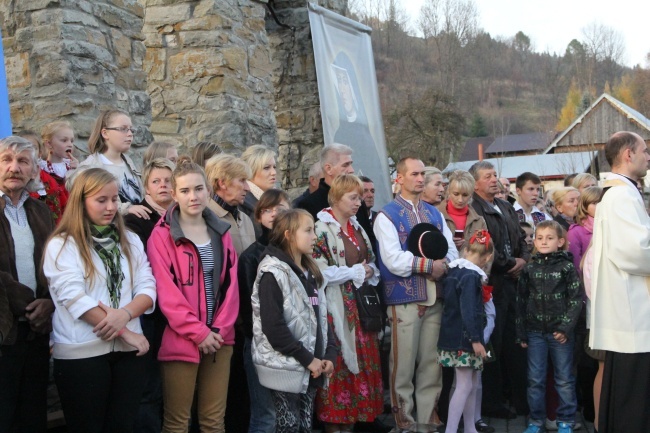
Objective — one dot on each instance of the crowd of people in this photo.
(191, 294)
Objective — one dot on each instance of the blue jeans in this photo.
(539, 347)
(262, 407)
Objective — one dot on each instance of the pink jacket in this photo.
(176, 264)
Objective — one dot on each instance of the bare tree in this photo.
(604, 48)
(451, 24)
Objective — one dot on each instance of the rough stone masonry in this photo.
(186, 71)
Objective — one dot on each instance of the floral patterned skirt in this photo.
(459, 358)
(349, 397)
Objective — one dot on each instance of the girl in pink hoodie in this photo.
(195, 265)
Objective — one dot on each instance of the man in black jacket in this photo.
(335, 159)
(510, 256)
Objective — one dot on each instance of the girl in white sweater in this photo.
(101, 282)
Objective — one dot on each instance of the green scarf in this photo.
(106, 240)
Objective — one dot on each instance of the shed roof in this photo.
(631, 114)
(545, 166)
(520, 142)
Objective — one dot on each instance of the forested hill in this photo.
(458, 81)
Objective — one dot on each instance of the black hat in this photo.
(425, 240)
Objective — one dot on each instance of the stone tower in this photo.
(186, 71)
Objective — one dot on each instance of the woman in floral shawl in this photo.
(344, 254)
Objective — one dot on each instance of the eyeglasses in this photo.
(272, 210)
(122, 129)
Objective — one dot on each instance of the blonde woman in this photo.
(228, 176)
(101, 282)
(434, 188)
(566, 203)
(261, 161)
(461, 218)
(583, 181)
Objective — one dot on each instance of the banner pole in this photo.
(5, 112)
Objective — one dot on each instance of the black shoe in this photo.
(376, 426)
(482, 427)
(499, 412)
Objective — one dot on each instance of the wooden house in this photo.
(591, 130)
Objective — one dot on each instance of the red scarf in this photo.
(459, 216)
(348, 232)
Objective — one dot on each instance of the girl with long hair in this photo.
(101, 282)
(195, 265)
(292, 350)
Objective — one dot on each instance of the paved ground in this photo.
(517, 425)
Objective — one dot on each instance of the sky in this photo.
(552, 24)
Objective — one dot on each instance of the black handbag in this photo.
(369, 306)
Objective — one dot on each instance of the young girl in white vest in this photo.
(462, 342)
(292, 351)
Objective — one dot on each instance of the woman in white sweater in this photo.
(101, 282)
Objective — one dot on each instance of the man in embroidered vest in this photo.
(25, 224)
(620, 289)
(410, 294)
(527, 186)
(510, 256)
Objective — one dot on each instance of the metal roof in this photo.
(520, 142)
(630, 112)
(546, 165)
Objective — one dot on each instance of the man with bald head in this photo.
(620, 288)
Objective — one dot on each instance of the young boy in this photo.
(548, 307)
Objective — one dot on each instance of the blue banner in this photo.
(5, 113)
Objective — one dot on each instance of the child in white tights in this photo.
(461, 341)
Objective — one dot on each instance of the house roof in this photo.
(520, 142)
(470, 151)
(545, 165)
(631, 114)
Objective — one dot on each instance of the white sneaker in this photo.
(551, 425)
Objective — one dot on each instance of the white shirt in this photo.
(529, 216)
(398, 261)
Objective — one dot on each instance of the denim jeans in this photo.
(539, 347)
(262, 407)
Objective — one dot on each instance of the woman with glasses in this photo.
(270, 204)
(344, 254)
(109, 141)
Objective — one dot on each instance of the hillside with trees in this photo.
(443, 79)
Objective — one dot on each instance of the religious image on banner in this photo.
(353, 123)
(349, 100)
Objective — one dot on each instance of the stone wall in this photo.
(202, 70)
(70, 59)
(209, 73)
(297, 104)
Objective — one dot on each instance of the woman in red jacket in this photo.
(195, 265)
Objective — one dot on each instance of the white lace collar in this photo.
(464, 263)
(328, 218)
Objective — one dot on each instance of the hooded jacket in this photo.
(176, 264)
(548, 295)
